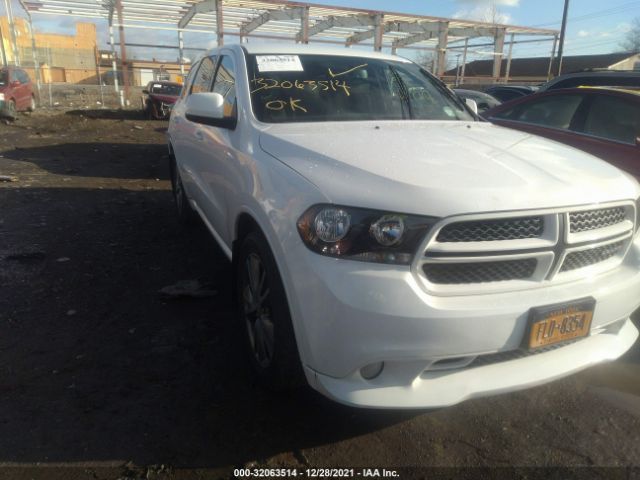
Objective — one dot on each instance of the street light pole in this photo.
(562, 32)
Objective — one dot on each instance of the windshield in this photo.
(164, 89)
(321, 88)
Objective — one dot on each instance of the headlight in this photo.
(363, 234)
(1, 96)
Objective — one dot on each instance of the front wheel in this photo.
(264, 316)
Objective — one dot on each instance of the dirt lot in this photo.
(103, 378)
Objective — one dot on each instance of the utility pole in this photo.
(123, 52)
(563, 28)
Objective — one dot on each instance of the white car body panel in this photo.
(348, 314)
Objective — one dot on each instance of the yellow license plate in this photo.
(559, 323)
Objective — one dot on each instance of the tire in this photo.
(10, 111)
(187, 216)
(264, 317)
(32, 104)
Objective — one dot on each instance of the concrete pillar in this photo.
(304, 25)
(114, 67)
(12, 31)
(219, 23)
(123, 51)
(36, 66)
(553, 56)
(443, 36)
(498, 48)
(506, 74)
(378, 32)
(464, 60)
(181, 51)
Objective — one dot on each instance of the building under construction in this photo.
(78, 59)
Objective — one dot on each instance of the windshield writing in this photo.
(335, 88)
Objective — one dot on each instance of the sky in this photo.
(593, 26)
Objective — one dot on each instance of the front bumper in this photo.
(442, 388)
(348, 315)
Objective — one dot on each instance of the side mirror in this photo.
(145, 91)
(208, 108)
(472, 105)
(16, 83)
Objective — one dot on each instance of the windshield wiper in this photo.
(404, 92)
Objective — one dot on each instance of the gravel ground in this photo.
(101, 377)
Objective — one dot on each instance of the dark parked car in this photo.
(601, 78)
(505, 93)
(160, 97)
(603, 121)
(483, 100)
(16, 92)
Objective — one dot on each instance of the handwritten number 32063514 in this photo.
(331, 85)
(323, 85)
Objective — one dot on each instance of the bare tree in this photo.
(426, 60)
(631, 42)
(493, 15)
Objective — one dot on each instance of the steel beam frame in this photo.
(283, 14)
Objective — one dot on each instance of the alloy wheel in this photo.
(257, 311)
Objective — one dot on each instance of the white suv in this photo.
(387, 245)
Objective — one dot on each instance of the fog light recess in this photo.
(372, 370)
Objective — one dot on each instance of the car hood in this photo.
(443, 168)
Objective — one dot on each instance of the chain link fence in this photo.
(85, 78)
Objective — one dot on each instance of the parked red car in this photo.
(16, 92)
(604, 121)
(160, 99)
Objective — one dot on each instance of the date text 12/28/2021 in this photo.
(315, 473)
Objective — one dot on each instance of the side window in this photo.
(204, 77)
(506, 95)
(555, 111)
(186, 86)
(225, 84)
(613, 118)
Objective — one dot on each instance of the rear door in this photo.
(186, 135)
(611, 129)
(553, 116)
(214, 155)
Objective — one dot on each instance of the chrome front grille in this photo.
(492, 230)
(595, 219)
(591, 256)
(479, 272)
(510, 251)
